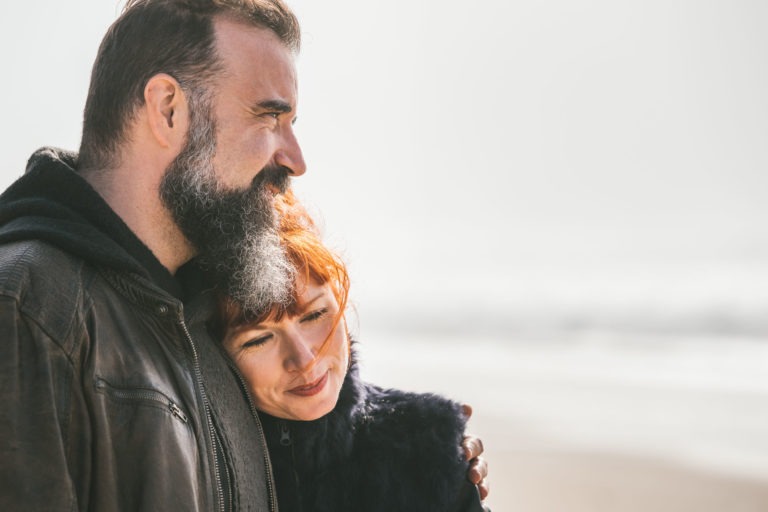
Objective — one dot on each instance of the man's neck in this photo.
(133, 194)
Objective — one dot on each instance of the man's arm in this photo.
(36, 404)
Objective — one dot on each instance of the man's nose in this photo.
(290, 155)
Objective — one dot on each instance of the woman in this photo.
(336, 443)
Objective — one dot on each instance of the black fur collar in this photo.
(378, 450)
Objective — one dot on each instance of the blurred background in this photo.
(554, 211)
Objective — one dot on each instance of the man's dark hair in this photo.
(162, 36)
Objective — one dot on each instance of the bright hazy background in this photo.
(553, 210)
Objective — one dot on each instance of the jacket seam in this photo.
(27, 317)
(18, 293)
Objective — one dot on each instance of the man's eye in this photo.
(315, 315)
(255, 342)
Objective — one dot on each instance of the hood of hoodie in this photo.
(51, 202)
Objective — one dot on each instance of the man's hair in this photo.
(175, 37)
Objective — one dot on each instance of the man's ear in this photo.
(167, 111)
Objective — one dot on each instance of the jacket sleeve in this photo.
(39, 453)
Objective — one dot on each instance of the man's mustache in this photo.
(275, 176)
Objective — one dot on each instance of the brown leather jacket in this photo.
(113, 396)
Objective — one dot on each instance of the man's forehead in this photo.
(250, 52)
(232, 34)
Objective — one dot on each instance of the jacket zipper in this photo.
(112, 278)
(209, 416)
(273, 505)
(287, 441)
(143, 394)
(285, 434)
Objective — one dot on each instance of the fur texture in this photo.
(379, 450)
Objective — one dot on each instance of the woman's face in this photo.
(281, 361)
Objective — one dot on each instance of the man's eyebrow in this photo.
(275, 105)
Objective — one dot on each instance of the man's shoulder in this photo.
(33, 264)
(46, 282)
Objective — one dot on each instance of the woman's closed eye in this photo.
(257, 341)
(314, 316)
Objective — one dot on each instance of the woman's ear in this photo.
(167, 111)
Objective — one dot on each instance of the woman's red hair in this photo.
(311, 259)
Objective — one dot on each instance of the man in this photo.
(113, 395)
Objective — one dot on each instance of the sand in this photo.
(573, 481)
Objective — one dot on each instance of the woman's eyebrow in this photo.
(303, 305)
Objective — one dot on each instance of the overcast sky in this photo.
(494, 153)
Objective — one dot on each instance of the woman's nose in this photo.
(300, 356)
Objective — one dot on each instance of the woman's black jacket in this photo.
(379, 450)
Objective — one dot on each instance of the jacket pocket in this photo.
(145, 453)
(143, 396)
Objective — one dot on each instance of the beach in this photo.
(598, 421)
(551, 481)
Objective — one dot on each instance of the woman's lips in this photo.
(312, 388)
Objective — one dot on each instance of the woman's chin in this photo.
(318, 406)
(314, 413)
(299, 407)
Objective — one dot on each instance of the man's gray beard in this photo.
(233, 231)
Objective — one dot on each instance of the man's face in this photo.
(240, 151)
(254, 105)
